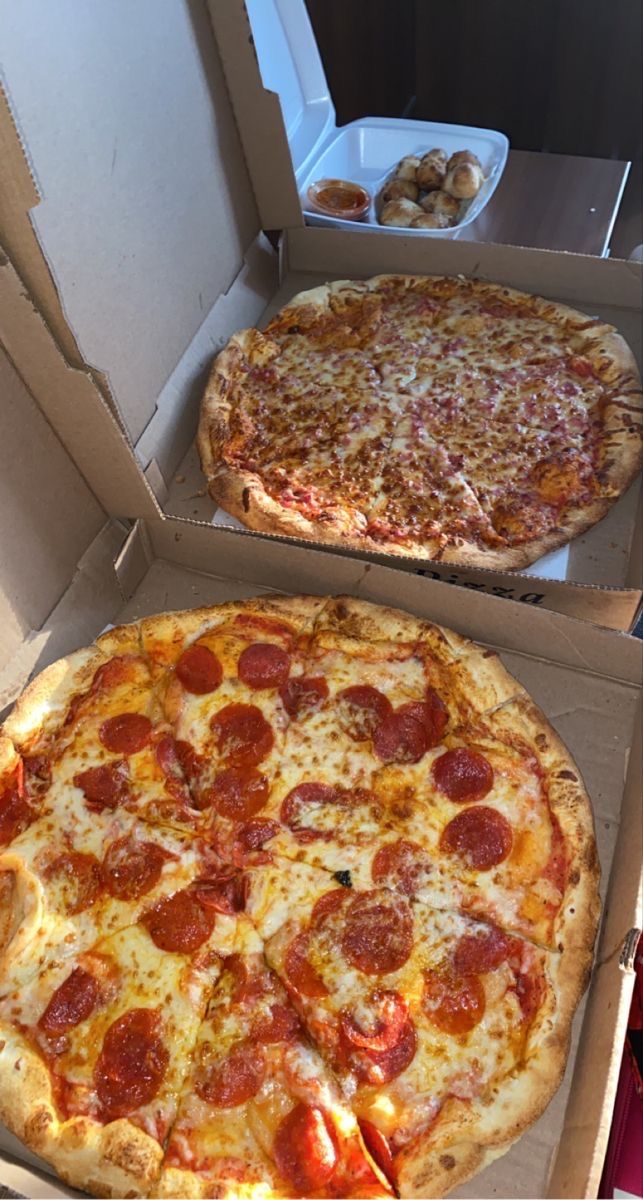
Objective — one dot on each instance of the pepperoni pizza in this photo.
(450, 419)
(297, 898)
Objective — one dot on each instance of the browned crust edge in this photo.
(117, 1159)
(577, 922)
(49, 693)
(467, 1136)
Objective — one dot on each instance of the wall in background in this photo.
(368, 51)
(557, 75)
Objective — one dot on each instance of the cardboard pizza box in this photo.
(69, 569)
(129, 217)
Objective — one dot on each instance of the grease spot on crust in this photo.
(447, 1161)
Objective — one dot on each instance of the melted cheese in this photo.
(467, 1065)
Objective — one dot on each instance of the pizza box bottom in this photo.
(586, 680)
(595, 576)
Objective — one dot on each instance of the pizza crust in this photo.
(468, 1136)
(120, 1159)
(117, 1159)
(578, 917)
(49, 694)
(243, 494)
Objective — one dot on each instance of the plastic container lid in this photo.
(291, 66)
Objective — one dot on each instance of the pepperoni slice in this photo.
(463, 775)
(282, 1025)
(361, 709)
(199, 670)
(167, 756)
(126, 734)
(300, 971)
(403, 865)
(38, 766)
(132, 1063)
(179, 923)
(249, 984)
(249, 839)
(79, 878)
(74, 708)
(243, 736)
(227, 894)
(15, 814)
(435, 715)
(481, 837)
(453, 1003)
(432, 719)
(329, 903)
(390, 1016)
(106, 786)
(114, 673)
(130, 868)
(378, 1147)
(71, 1003)
(401, 737)
(190, 762)
(482, 951)
(303, 694)
(378, 937)
(236, 1079)
(238, 792)
(530, 991)
(304, 797)
(382, 1066)
(305, 1148)
(263, 665)
(174, 782)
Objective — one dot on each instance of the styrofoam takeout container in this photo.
(365, 151)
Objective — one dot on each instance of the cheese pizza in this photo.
(449, 419)
(298, 897)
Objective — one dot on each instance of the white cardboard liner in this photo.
(592, 711)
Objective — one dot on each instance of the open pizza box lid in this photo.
(132, 254)
(281, 91)
(68, 570)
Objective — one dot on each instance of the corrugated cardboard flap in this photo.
(73, 404)
(259, 118)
